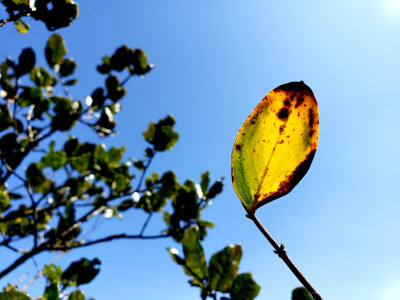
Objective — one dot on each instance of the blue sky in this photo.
(214, 61)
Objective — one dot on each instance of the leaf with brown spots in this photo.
(276, 145)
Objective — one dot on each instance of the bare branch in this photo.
(107, 239)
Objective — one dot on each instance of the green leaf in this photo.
(21, 26)
(60, 13)
(140, 62)
(244, 288)
(67, 67)
(55, 160)
(176, 258)
(98, 99)
(55, 50)
(122, 58)
(4, 69)
(275, 145)
(204, 182)
(301, 293)
(53, 273)
(14, 295)
(115, 90)
(26, 62)
(51, 292)
(76, 295)
(223, 268)
(8, 88)
(80, 272)
(114, 156)
(41, 77)
(194, 255)
(5, 120)
(162, 135)
(71, 82)
(35, 175)
(30, 95)
(4, 200)
(67, 113)
(215, 189)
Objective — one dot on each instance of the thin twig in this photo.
(65, 88)
(35, 213)
(107, 239)
(23, 258)
(280, 250)
(145, 224)
(40, 273)
(144, 172)
(13, 18)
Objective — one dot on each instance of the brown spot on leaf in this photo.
(238, 147)
(283, 113)
(299, 101)
(311, 117)
(286, 102)
(281, 129)
(295, 86)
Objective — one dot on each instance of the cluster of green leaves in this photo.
(69, 185)
(82, 176)
(59, 282)
(78, 273)
(220, 274)
(54, 14)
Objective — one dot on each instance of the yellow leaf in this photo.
(275, 145)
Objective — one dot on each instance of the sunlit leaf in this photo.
(53, 273)
(223, 267)
(55, 50)
(21, 26)
(276, 145)
(14, 295)
(76, 295)
(194, 255)
(52, 292)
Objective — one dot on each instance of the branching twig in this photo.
(40, 273)
(144, 172)
(107, 239)
(13, 18)
(35, 214)
(146, 223)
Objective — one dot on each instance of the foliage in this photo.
(220, 275)
(73, 181)
(54, 14)
(80, 178)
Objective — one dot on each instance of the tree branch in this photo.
(16, 17)
(21, 260)
(107, 239)
(146, 223)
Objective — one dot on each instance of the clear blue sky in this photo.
(215, 60)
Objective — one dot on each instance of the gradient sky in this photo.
(214, 61)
